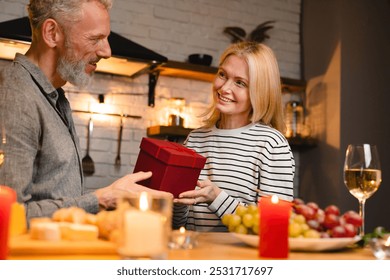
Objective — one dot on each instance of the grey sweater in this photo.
(42, 153)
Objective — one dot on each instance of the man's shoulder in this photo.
(14, 75)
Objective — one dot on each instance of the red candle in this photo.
(273, 232)
(7, 197)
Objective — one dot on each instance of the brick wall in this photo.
(175, 29)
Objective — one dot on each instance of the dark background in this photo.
(346, 61)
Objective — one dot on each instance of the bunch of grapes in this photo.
(309, 220)
(245, 220)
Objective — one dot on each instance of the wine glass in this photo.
(3, 141)
(362, 174)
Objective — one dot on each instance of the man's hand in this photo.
(109, 195)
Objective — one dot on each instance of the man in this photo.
(42, 154)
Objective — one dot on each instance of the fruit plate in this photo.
(306, 244)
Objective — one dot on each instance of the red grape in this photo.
(297, 201)
(320, 216)
(350, 230)
(351, 217)
(331, 221)
(306, 211)
(327, 222)
(313, 206)
(338, 231)
(332, 209)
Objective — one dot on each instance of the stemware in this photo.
(3, 141)
(362, 174)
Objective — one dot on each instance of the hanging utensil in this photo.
(87, 162)
(118, 156)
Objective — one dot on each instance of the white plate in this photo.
(306, 244)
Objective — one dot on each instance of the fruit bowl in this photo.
(306, 244)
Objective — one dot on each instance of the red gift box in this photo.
(175, 168)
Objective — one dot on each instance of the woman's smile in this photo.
(224, 99)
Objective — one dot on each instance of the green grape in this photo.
(248, 220)
(256, 218)
(245, 220)
(252, 209)
(305, 227)
(294, 229)
(300, 219)
(234, 220)
(241, 229)
(231, 228)
(311, 233)
(226, 219)
(255, 229)
(241, 210)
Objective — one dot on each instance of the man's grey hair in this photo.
(63, 11)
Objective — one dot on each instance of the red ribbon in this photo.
(179, 149)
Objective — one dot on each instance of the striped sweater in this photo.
(239, 161)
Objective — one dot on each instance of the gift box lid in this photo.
(172, 153)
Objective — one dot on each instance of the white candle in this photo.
(143, 232)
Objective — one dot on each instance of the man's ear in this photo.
(51, 32)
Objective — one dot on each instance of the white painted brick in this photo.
(171, 14)
(13, 8)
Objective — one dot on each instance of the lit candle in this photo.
(7, 198)
(273, 233)
(180, 236)
(183, 239)
(143, 232)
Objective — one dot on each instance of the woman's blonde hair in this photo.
(264, 85)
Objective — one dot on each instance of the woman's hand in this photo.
(206, 192)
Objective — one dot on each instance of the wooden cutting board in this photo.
(24, 245)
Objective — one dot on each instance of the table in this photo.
(212, 246)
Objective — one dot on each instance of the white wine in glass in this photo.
(3, 141)
(362, 174)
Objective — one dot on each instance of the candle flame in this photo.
(182, 230)
(143, 201)
(274, 199)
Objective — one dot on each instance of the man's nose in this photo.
(105, 49)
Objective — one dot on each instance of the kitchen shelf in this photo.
(171, 133)
(188, 71)
(207, 73)
(108, 114)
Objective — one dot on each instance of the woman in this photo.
(242, 140)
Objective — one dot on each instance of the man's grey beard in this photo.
(73, 71)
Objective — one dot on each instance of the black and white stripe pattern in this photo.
(239, 161)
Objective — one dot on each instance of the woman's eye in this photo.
(221, 74)
(240, 83)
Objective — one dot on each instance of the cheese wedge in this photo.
(49, 231)
(79, 232)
